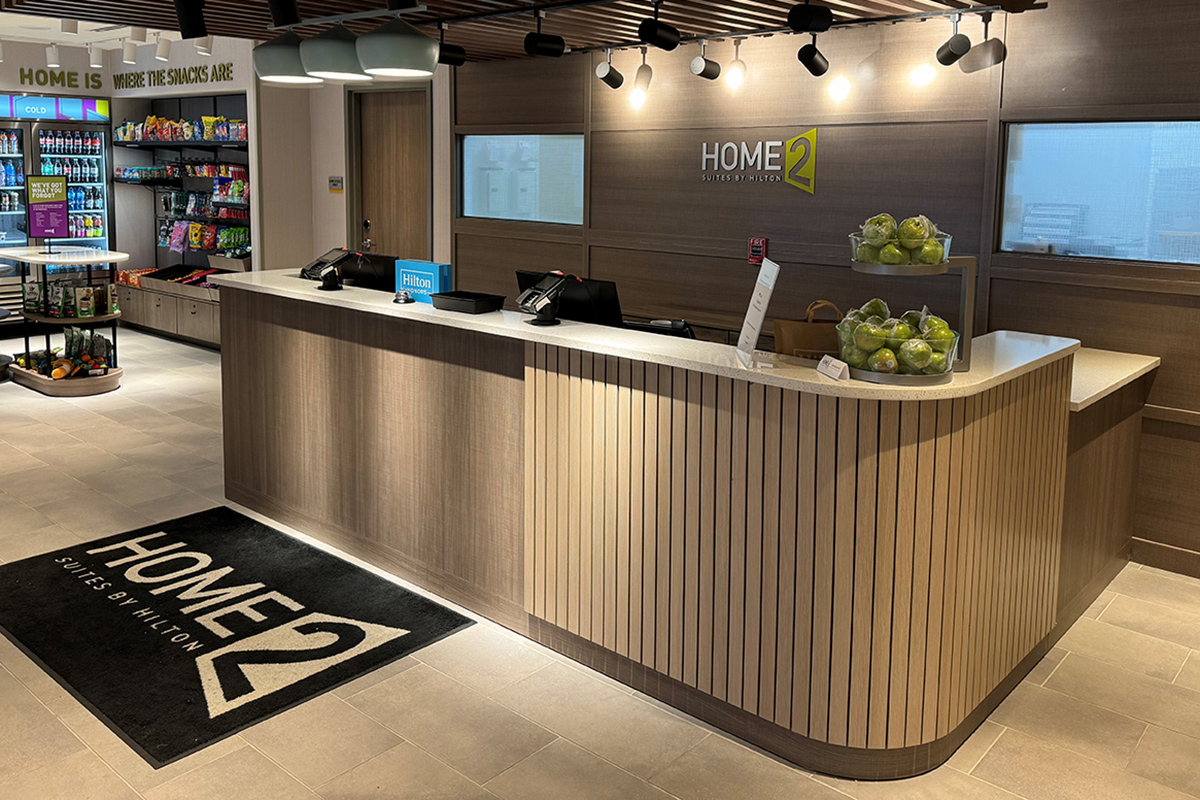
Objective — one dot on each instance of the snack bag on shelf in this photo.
(31, 296)
(68, 301)
(179, 234)
(210, 237)
(85, 301)
(195, 235)
(54, 293)
(210, 127)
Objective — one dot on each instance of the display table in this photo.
(847, 574)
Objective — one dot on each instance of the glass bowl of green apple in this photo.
(917, 348)
(913, 246)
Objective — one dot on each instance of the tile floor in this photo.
(1113, 712)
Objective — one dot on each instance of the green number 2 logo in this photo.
(801, 161)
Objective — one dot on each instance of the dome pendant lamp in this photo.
(331, 56)
(397, 50)
(278, 61)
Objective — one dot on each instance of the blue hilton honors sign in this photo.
(423, 278)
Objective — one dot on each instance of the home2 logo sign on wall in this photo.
(793, 161)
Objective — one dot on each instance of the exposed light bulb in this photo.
(736, 75)
(922, 75)
(839, 89)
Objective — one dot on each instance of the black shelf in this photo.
(170, 182)
(230, 204)
(201, 145)
(225, 221)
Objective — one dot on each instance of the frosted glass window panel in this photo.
(529, 178)
(1116, 190)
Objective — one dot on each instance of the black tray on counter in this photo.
(468, 302)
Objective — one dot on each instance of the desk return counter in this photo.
(849, 575)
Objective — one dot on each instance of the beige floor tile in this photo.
(1124, 647)
(1044, 668)
(1131, 693)
(36, 487)
(483, 658)
(1037, 770)
(320, 739)
(81, 776)
(30, 736)
(1189, 675)
(66, 417)
(1168, 623)
(91, 515)
(134, 769)
(81, 459)
(403, 772)
(141, 417)
(131, 484)
(1181, 593)
(173, 506)
(619, 727)
(966, 757)
(473, 734)
(114, 437)
(168, 402)
(18, 516)
(1169, 758)
(189, 435)
(565, 770)
(719, 768)
(375, 676)
(205, 415)
(35, 680)
(37, 437)
(164, 459)
(1071, 723)
(34, 543)
(210, 476)
(1097, 607)
(941, 784)
(14, 460)
(245, 774)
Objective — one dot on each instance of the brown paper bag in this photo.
(808, 338)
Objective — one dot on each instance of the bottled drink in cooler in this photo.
(3, 144)
(14, 143)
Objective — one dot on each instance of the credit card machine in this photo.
(317, 269)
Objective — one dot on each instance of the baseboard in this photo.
(1165, 556)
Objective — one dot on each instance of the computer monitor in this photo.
(584, 299)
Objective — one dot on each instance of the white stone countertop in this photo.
(1099, 373)
(66, 256)
(996, 357)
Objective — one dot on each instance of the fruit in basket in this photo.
(938, 364)
(914, 231)
(854, 355)
(882, 360)
(875, 307)
(912, 319)
(941, 339)
(915, 353)
(867, 253)
(869, 336)
(931, 252)
(893, 255)
(898, 332)
(878, 229)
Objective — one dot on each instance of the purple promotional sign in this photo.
(47, 203)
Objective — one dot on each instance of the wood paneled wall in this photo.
(859, 573)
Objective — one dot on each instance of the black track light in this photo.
(449, 54)
(654, 31)
(544, 44)
(810, 19)
(191, 19)
(703, 67)
(955, 47)
(606, 72)
(812, 59)
(283, 13)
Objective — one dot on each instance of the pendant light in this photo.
(641, 83)
(957, 46)
(129, 52)
(810, 19)
(190, 14)
(607, 73)
(449, 54)
(95, 57)
(655, 32)
(331, 55)
(735, 76)
(812, 59)
(52, 57)
(544, 44)
(703, 67)
(397, 50)
(162, 48)
(278, 61)
(1, 51)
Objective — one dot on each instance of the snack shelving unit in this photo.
(34, 263)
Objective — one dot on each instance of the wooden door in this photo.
(394, 177)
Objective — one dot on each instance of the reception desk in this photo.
(849, 575)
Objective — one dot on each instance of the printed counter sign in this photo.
(72, 109)
(423, 278)
(793, 161)
(47, 206)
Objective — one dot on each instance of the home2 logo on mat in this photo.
(273, 660)
(793, 161)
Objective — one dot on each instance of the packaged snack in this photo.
(179, 237)
(195, 235)
(68, 300)
(210, 237)
(85, 301)
(31, 297)
(54, 299)
(210, 127)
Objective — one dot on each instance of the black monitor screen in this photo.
(584, 300)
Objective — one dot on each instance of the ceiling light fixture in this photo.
(331, 55)
(449, 54)
(703, 67)
(544, 44)
(735, 76)
(606, 72)
(52, 57)
(137, 34)
(397, 50)
(641, 83)
(70, 27)
(162, 48)
(95, 57)
(1, 51)
(922, 75)
(812, 59)
(810, 19)
(190, 14)
(655, 32)
(278, 61)
(839, 89)
(129, 52)
(957, 46)
(204, 46)
(284, 13)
